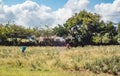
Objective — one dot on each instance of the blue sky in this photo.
(55, 4)
(94, 2)
(54, 12)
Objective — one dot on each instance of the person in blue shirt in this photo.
(23, 49)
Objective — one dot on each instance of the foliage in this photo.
(106, 65)
(60, 31)
(14, 34)
(97, 39)
(82, 26)
(118, 33)
(119, 27)
(86, 28)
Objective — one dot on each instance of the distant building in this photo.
(51, 41)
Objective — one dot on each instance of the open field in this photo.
(58, 61)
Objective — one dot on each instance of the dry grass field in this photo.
(60, 61)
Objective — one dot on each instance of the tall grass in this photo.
(50, 59)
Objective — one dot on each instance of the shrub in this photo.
(105, 65)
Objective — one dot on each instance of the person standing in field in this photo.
(23, 48)
(68, 45)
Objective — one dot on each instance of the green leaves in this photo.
(90, 29)
(81, 26)
(11, 33)
(60, 31)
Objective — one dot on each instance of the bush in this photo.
(118, 40)
(105, 65)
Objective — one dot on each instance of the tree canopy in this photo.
(86, 28)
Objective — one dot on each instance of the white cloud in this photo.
(69, 9)
(77, 5)
(30, 13)
(2, 13)
(109, 11)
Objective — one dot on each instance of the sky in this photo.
(54, 4)
(30, 13)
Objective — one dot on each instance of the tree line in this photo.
(83, 28)
(12, 34)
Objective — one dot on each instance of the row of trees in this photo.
(11, 34)
(86, 28)
(83, 28)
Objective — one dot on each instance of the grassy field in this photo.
(59, 61)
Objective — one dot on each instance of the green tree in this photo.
(3, 32)
(82, 26)
(118, 30)
(112, 32)
(60, 31)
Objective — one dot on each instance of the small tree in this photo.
(118, 30)
(60, 31)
